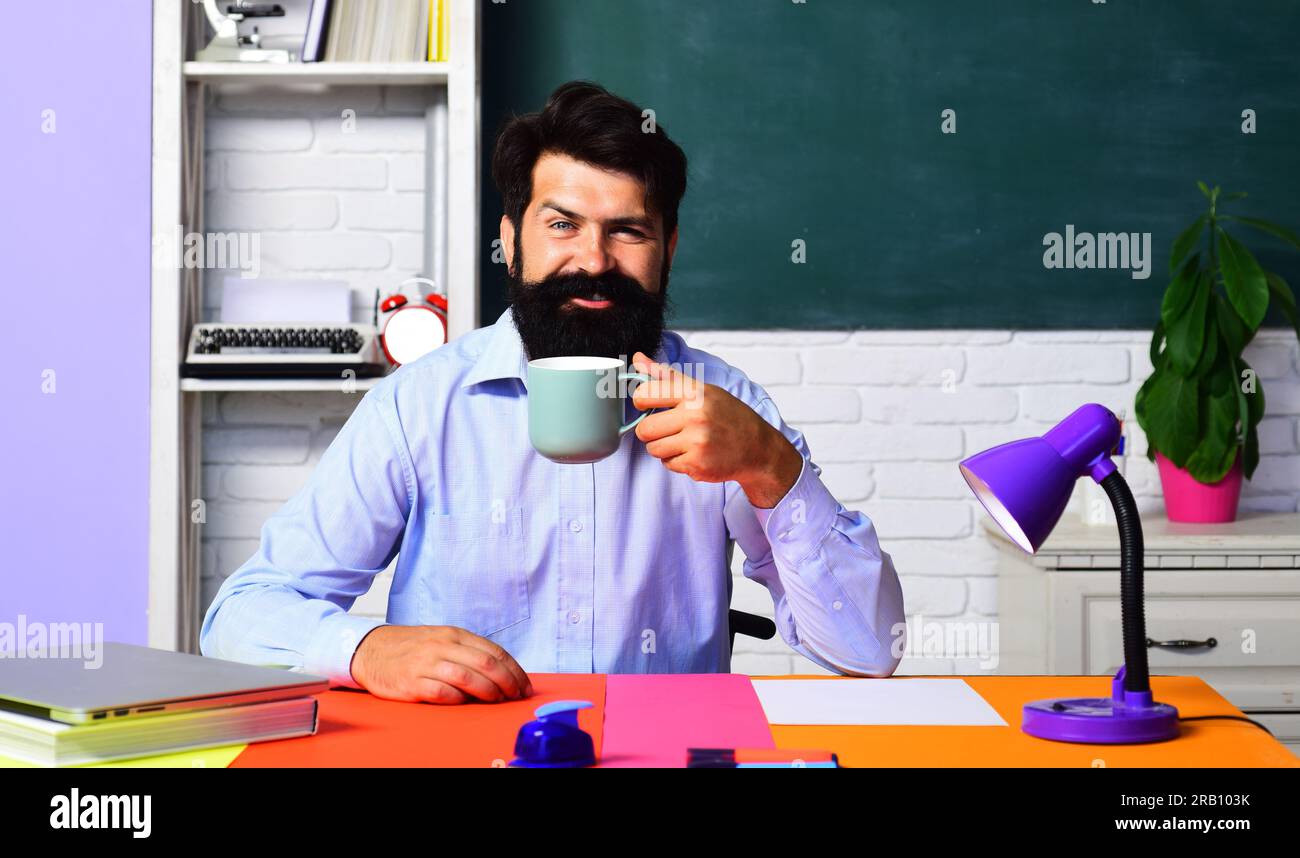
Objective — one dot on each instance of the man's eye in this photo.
(561, 223)
(636, 233)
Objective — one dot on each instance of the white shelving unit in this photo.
(179, 90)
(264, 385)
(349, 74)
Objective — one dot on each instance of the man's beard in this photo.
(551, 327)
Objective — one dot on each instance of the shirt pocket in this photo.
(480, 583)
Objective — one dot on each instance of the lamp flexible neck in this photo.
(1132, 556)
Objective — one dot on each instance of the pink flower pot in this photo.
(1201, 503)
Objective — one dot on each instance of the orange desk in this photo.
(359, 730)
(1208, 744)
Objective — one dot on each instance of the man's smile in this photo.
(594, 305)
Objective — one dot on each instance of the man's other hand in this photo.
(437, 664)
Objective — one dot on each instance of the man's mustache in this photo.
(617, 288)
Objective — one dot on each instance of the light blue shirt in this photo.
(621, 566)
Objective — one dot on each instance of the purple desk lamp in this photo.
(1025, 486)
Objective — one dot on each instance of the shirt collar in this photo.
(504, 355)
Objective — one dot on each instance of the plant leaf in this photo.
(1243, 405)
(1205, 190)
(1244, 279)
(1210, 351)
(1250, 453)
(1235, 335)
(1285, 299)
(1217, 450)
(1172, 412)
(1185, 241)
(1157, 339)
(1186, 334)
(1254, 401)
(1266, 226)
(1181, 289)
(1250, 412)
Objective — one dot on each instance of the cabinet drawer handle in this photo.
(1208, 643)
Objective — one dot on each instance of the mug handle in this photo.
(632, 376)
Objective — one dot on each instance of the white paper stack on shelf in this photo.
(261, 301)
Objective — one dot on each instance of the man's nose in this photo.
(593, 257)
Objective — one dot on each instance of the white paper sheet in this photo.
(944, 702)
(323, 301)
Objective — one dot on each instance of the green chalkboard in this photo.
(822, 121)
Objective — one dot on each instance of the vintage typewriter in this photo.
(282, 350)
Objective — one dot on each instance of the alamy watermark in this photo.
(81, 641)
(238, 250)
(918, 638)
(684, 383)
(75, 810)
(1131, 250)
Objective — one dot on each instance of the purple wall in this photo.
(74, 275)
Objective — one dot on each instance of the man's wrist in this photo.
(770, 483)
(358, 657)
(334, 644)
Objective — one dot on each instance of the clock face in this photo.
(413, 332)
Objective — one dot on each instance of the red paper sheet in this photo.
(650, 720)
(356, 729)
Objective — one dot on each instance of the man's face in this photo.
(588, 264)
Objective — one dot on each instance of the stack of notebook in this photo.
(119, 701)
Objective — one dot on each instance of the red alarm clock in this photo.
(412, 330)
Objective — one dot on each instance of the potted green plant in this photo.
(1201, 406)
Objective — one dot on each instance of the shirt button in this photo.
(837, 604)
(575, 526)
(575, 617)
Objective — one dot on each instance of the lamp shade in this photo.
(1026, 484)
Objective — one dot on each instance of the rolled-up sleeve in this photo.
(837, 596)
(287, 605)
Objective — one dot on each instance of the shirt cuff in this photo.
(801, 520)
(333, 644)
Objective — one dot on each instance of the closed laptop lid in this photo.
(117, 675)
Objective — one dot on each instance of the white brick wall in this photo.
(332, 197)
(889, 450)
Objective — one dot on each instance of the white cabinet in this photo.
(1232, 589)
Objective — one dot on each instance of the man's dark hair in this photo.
(588, 123)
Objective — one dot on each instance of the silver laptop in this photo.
(118, 680)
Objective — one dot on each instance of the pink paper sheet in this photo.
(651, 719)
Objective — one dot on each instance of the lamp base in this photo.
(1124, 718)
